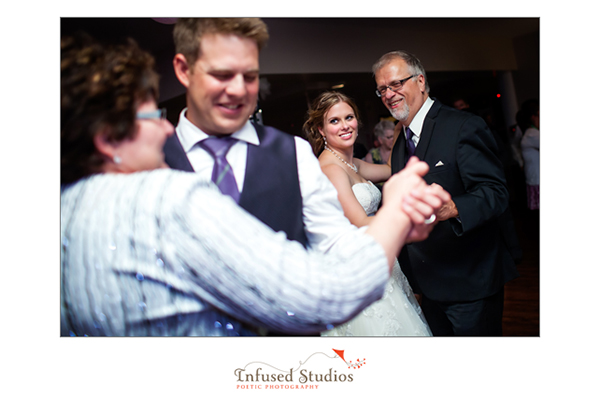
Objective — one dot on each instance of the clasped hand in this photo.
(418, 200)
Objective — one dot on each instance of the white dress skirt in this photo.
(397, 313)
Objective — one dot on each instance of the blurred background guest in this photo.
(529, 119)
(384, 132)
(384, 137)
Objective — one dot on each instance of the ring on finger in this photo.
(430, 220)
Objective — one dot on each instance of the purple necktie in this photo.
(410, 145)
(222, 174)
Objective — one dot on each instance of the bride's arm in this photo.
(374, 172)
(352, 208)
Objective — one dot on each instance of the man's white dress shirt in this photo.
(322, 214)
(416, 125)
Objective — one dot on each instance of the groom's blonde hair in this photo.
(188, 33)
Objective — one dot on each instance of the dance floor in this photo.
(522, 295)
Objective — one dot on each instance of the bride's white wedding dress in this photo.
(397, 313)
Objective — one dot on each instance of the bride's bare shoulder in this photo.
(334, 171)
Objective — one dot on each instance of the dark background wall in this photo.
(491, 62)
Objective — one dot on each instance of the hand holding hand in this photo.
(407, 202)
(409, 183)
(422, 201)
(448, 209)
(436, 197)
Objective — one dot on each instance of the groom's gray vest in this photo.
(271, 188)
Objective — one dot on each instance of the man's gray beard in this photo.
(401, 114)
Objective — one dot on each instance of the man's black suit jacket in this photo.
(468, 258)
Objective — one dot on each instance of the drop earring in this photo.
(116, 159)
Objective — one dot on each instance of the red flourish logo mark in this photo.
(350, 364)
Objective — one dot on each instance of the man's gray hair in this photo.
(414, 65)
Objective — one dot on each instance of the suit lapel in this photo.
(427, 131)
(398, 153)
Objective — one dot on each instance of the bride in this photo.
(332, 128)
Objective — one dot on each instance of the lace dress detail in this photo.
(397, 313)
(368, 196)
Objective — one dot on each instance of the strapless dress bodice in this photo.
(368, 196)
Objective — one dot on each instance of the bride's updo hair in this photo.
(316, 116)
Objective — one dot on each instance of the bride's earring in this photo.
(325, 140)
(116, 159)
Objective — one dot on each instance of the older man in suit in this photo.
(461, 269)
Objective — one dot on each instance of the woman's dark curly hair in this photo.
(315, 117)
(101, 88)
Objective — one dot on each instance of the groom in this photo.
(461, 269)
(275, 175)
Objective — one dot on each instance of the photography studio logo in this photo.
(317, 370)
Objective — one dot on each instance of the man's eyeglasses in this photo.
(394, 86)
(156, 114)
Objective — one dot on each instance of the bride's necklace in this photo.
(344, 161)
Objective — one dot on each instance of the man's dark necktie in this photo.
(222, 174)
(410, 145)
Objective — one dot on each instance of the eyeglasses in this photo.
(394, 86)
(156, 114)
